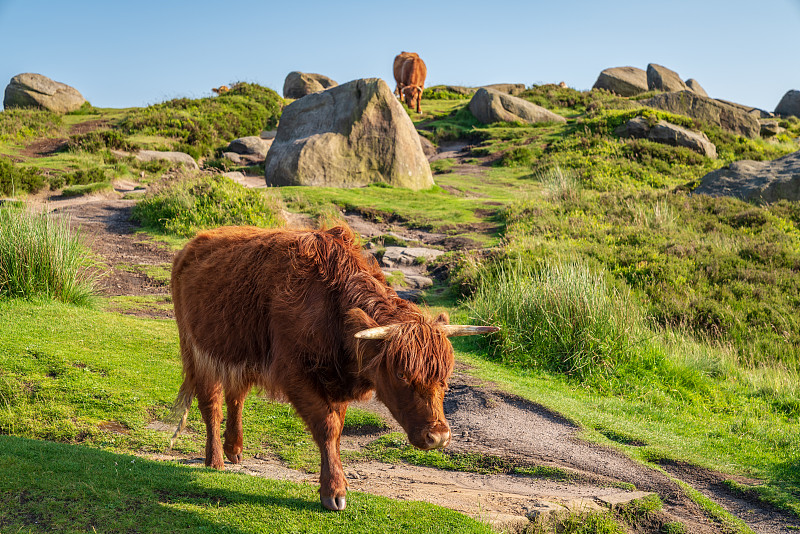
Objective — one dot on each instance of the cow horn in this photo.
(379, 332)
(452, 330)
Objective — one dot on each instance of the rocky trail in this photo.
(483, 418)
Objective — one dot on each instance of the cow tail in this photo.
(181, 408)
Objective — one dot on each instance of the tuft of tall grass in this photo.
(40, 256)
(562, 185)
(557, 316)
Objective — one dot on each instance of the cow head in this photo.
(410, 364)
(411, 96)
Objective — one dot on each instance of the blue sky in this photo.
(120, 54)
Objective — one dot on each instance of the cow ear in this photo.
(443, 318)
(358, 320)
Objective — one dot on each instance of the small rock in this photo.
(771, 129)
(252, 146)
(394, 256)
(233, 157)
(299, 84)
(172, 157)
(695, 86)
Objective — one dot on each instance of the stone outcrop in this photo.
(668, 134)
(350, 135)
(771, 128)
(513, 89)
(171, 157)
(759, 181)
(755, 112)
(789, 104)
(299, 84)
(695, 86)
(708, 110)
(624, 81)
(29, 90)
(490, 106)
(663, 79)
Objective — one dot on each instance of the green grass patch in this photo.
(86, 189)
(40, 256)
(99, 491)
(184, 206)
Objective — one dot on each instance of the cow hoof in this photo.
(234, 458)
(337, 504)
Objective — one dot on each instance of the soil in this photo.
(483, 419)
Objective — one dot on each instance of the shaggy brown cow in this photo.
(306, 317)
(397, 70)
(410, 72)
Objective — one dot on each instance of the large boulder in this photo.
(663, 79)
(789, 104)
(624, 81)
(708, 110)
(29, 90)
(507, 88)
(299, 84)
(490, 106)
(695, 86)
(760, 181)
(348, 136)
(669, 134)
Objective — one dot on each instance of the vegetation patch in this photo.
(183, 206)
(205, 124)
(16, 179)
(41, 257)
(18, 125)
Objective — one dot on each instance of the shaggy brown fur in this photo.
(411, 80)
(397, 70)
(278, 309)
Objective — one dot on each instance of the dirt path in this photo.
(483, 419)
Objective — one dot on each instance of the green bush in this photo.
(205, 124)
(560, 317)
(99, 140)
(41, 256)
(184, 207)
(15, 180)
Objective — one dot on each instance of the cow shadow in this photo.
(59, 487)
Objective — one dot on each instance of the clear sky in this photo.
(126, 53)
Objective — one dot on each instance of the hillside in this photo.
(656, 326)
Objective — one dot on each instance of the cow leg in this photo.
(234, 398)
(325, 421)
(209, 400)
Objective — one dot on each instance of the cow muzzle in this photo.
(435, 437)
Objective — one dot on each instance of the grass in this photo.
(184, 205)
(41, 257)
(99, 491)
(18, 125)
(557, 316)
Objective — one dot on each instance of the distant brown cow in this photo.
(409, 73)
(222, 89)
(397, 70)
(306, 317)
